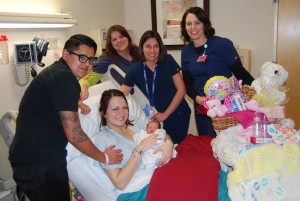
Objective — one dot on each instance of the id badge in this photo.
(146, 110)
(149, 110)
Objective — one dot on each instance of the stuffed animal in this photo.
(288, 122)
(269, 85)
(215, 108)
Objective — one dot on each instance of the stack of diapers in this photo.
(265, 187)
(266, 172)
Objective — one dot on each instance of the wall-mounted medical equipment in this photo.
(25, 53)
(36, 20)
(41, 49)
(24, 57)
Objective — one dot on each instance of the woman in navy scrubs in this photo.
(158, 76)
(206, 56)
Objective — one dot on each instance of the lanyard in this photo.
(150, 97)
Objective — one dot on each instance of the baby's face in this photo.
(152, 127)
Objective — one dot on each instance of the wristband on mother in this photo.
(140, 152)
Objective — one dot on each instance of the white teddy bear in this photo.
(287, 122)
(269, 83)
(215, 108)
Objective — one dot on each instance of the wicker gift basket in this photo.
(221, 123)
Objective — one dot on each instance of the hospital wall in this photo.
(90, 14)
(233, 19)
(249, 24)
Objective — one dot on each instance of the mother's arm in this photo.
(179, 84)
(120, 177)
(167, 151)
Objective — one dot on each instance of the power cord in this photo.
(16, 74)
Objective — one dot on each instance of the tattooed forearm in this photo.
(78, 135)
(66, 118)
(71, 124)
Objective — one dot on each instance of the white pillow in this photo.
(135, 110)
(90, 124)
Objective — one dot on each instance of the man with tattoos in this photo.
(48, 120)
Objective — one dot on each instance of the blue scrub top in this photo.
(220, 55)
(164, 86)
(177, 123)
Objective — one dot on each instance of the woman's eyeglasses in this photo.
(83, 58)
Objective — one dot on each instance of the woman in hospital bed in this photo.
(130, 178)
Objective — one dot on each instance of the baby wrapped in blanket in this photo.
(150, 159)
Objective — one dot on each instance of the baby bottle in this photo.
(257, 129)
(260, 129)
(265, 122)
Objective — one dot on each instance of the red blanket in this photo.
(192, 175)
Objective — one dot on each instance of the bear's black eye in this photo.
(276, 72)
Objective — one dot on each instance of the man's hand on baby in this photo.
(115, 155)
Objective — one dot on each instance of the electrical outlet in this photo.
(53, 43)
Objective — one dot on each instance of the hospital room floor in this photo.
(75, 196)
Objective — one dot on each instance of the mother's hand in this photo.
(148, 142)
(167, 151)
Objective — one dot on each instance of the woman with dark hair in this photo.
(158, 76)
(205, 56)
(117, 129)
(120, 50)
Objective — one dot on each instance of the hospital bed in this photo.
(8, 191)
(195, 173)
(192, 175)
